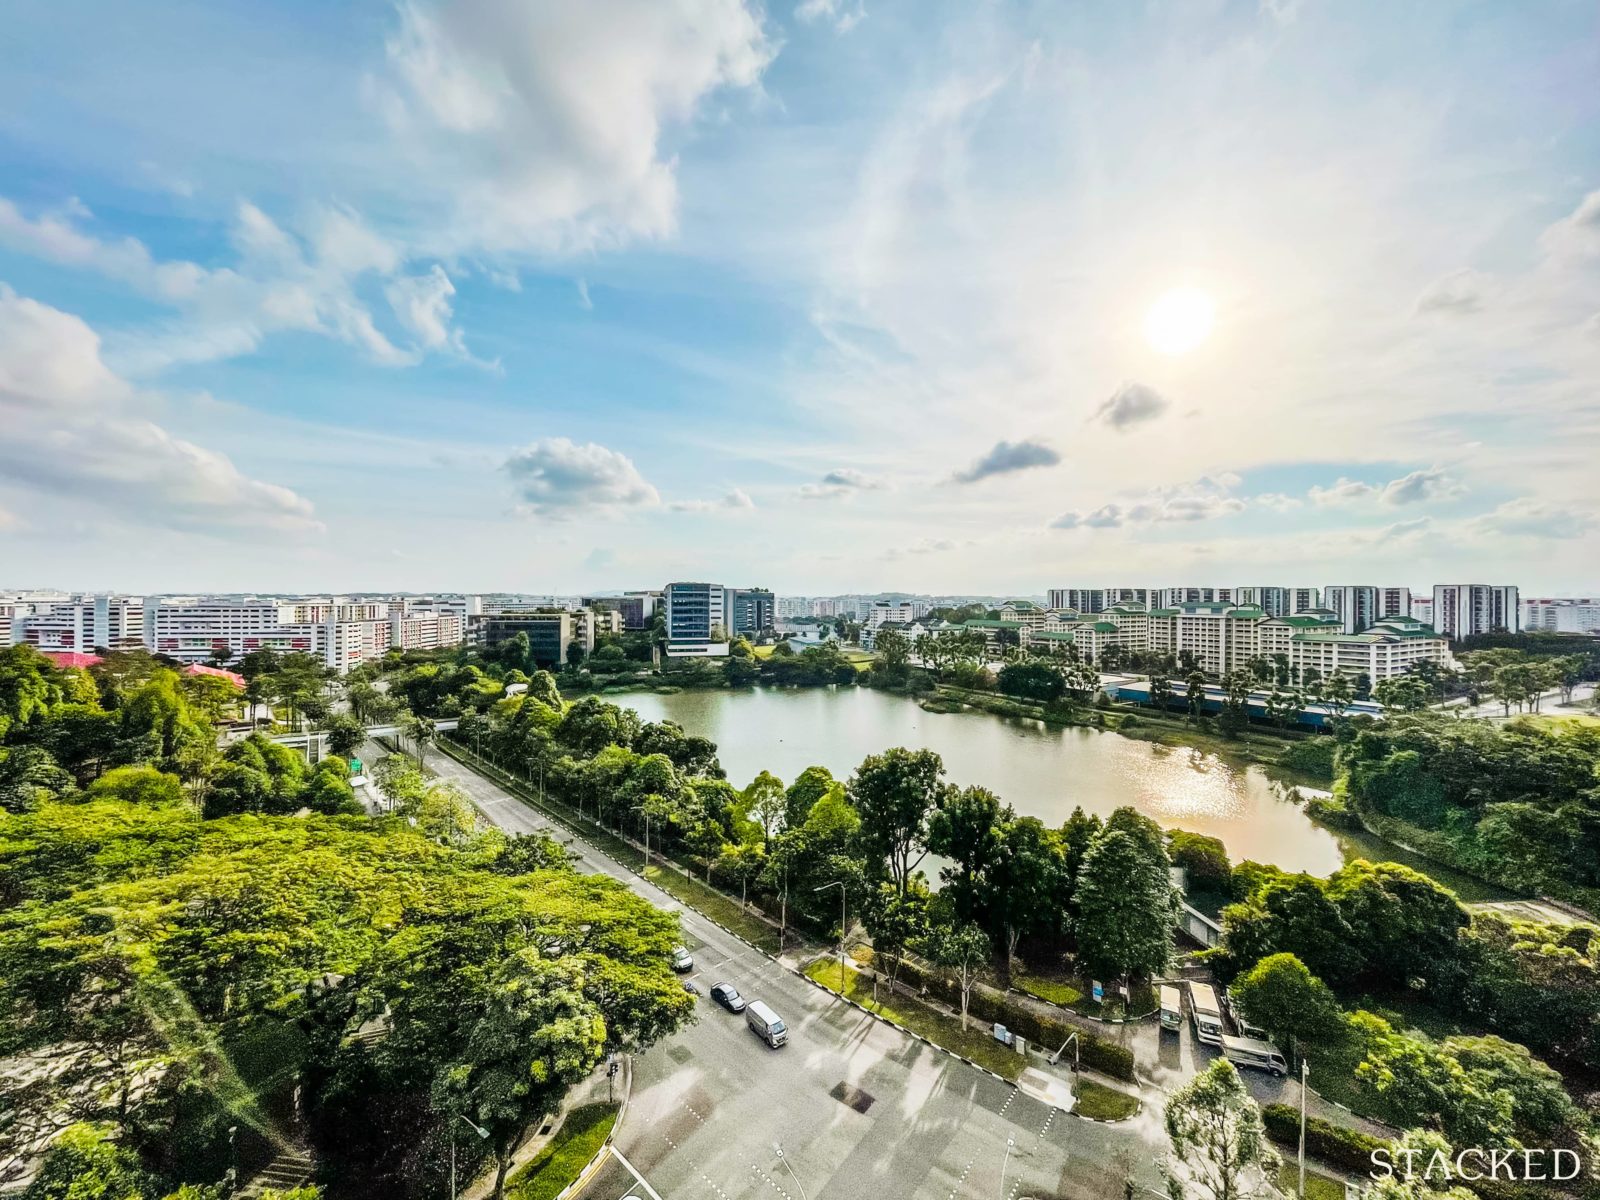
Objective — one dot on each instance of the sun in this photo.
(1180, 320)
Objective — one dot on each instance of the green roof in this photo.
(990, 623)
(1105, 626)
(1163, 612)
(1303, 620)
(1051, 635)
(1246, 613)
(1025, 605)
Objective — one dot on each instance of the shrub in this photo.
(1348, 1149)
(1333, 813)
(1313, 756)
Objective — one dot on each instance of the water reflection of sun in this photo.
(1189, 783)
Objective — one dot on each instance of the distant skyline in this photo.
(830, 296)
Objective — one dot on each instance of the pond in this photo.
(1041, 770)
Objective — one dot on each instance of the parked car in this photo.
(728, 996)
(682, 960)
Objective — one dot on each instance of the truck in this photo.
(1171, 1007)
(1206, 1012)
(766, 1024)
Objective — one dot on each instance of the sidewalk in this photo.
(592, 1090)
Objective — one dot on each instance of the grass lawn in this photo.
(1318, 1186)
(973, 1043)
(1052, 988)
(1101, 1103)
(714, 905)
(577, 1141)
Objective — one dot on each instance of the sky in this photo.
(825, 296)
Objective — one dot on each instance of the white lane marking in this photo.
(643, 1182)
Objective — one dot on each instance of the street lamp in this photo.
(778, 1146)
(1305, 1072)
(838, 883)
(1010, 1142)
(478, 1129)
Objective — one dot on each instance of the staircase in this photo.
(292, 1168)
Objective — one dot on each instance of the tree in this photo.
(537, 1036)
(137, 785)
(894, 922)
(957, 945)
(1160, 692)
(1195, 694)
(1219, 1147)
(1027, 882)
(345, 734)
(743, 862)
(965, 828)
(809, 786)
(1204, 860)
(765, 804)
(893, 649)
(421, 733)
(894, 793)
(1125, 904)
(1279, 995)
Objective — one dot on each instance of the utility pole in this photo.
(1305, 1072)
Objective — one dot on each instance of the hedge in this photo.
(1348, 1149)
(1045, 1032)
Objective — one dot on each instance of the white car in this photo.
(682, 960)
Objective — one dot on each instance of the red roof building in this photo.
(72, 658)
(232, 677)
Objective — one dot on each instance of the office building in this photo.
(751, 611)
(1561, 616)
(697, 619)
(1462, 610)
(552, 632)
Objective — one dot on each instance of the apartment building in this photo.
(1355, 605)
(901, 612)
(1462, 610)
(795, 606)
(80, 624)
(1394, 602)
(823, 606)
(1087, 601)
(1025, 612)
(1561, 616)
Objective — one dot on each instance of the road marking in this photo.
(771, 1182)
(644, 1183)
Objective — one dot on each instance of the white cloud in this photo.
(1131, 404)
(841, 16)
(1005, 458)
(557, 477)
(544, 121)
(1278, 502)
(1528, 516)
(1429, 484)
(837, 483)
(422, 304)
(737, 500)
(1343, 491)
(1457, 294)
(1576, 235)
(1205, 499)
(72, 436)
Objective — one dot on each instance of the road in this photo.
(859, 1109)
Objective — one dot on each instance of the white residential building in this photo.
(1462, 610)
(902, 612)
(81, 625)
(1561, 616)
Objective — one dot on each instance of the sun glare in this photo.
(1180, 320)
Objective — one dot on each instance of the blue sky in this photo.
(829, 295)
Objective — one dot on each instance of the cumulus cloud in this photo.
(72, 433)
(1578, 233)
(1457, 294)
(1528, 516)
(544, 122)
(837, 483)
(1204, 499)
(1007, 457)
(1342, 491)
(307, 281)
(1429, 484)
(737, 500)
(843, 17)
(1278, 502)
(559, 478)
(1131, 404)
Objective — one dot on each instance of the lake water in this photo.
(1040, 770)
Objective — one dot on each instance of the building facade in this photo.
(79, 625)
(1561, 616)
(1462, 610)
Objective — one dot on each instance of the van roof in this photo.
(763, 1010)
(1204, 997)
(1250, 1045)
(1168, 992)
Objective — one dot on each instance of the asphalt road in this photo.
(858, 1109)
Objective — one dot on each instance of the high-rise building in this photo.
(1078, 600)
(822, 606)
(751, 610)
(697, 619)
(1561, 616)
(1356, 605)
(82, 624)
(901, 612)
(1394, 602)
(1462, 610)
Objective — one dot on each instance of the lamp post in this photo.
(778, 1147)
(1305, 1073)
(1010, 1142)
(478, 1129)
(838, 883)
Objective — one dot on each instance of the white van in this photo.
(766, 1024)
(1171, 1007)
(1253, 1052)
(1206, 1013)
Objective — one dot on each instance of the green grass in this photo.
(577, 1141)
(1054, 989)
(1318, 1186)
(1100, 1103)
(918, 1018)
(715, 905)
